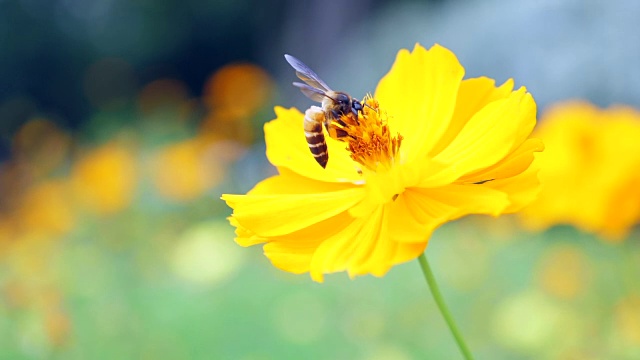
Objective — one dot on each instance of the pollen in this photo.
(369, 139)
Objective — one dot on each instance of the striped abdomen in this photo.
(313, 119)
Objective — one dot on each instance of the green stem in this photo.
(437, 296)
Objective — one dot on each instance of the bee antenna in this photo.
(369, 106)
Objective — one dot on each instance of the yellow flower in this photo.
(185, 170)
(233, 95)
(239, 89)
(45, 209)
(105, 178)
(591, 170)
(430, 148)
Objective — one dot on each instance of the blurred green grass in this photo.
(133, 298)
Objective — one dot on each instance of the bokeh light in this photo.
(104, 179)
(564, 272)
(204, 256)
(183, 171)
(45, 209)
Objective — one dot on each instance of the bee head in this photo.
(356, 106)
(343, 101)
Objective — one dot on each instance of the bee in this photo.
(335, 105)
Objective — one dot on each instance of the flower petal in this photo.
(245, 237)
(289, 182)
(515, 163)
(473, 95)
(419, 94)
(289, 256)
(521, 189)
(469, 199)
(423, 210)
(363, 247)
(413, 217)
(294, 252)
(287, 148)
(376, 251)
(334, 253)
(487, 138)
(408, 251)
(281, 214)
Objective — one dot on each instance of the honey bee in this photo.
(335, 105)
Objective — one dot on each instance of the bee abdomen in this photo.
(313, 119)
(318, 146)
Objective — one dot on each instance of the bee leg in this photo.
(337, 117)
(334, 131)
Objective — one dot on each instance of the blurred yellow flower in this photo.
(590, 171)
(430, 148)
(223, 124)
(45, 209)
(185, 170)
(234, 94)
(238, 88)
(104, 179)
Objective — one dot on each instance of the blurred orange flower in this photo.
(46, 209)
(185, 170)
(590, 170)
(222, 124)
(240, 88)
(234, 94)
(104, 179)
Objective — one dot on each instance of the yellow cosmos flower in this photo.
(429, 148)
(591, 170)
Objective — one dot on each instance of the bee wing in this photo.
(310, 92)
(307, 75)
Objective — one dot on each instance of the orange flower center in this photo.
(369, 139)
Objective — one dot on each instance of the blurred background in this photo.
(122, 122)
